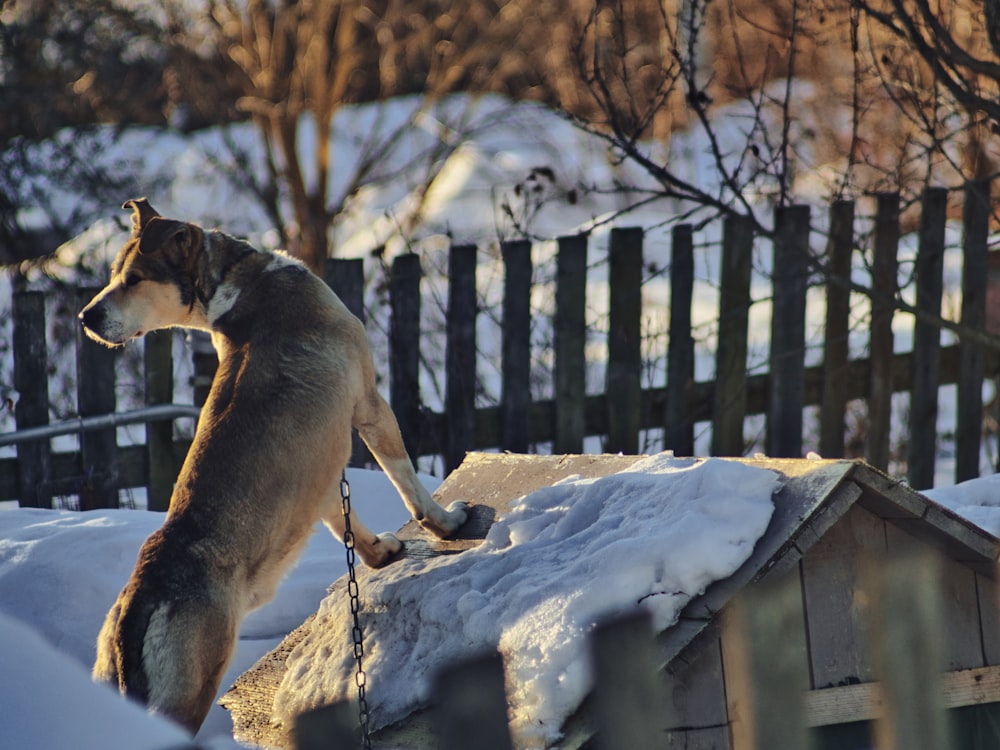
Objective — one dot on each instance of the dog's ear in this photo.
(142, 212)
(164, 234)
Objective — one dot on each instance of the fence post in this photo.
(927, 341)
(883, 298)
(968, 431)
(460, 356)
(729, 402)
(158, 365)
(905, 619)
(839, 249)
(623, 385)
(570, 344)
(31, 381)
(786, 394)
(765, 685)
(332, 726)
(678, 432)
(404, 348)
(204, 362)
(346, 277)
(95, 394)
(631, 707)
(516, 346)
(471, 708)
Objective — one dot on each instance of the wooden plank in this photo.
(883, 296)
(730, 393)
(460, 356)
(922, 450)
(958, 604)
(975, 271)
(570, 339)
(839, 249)
(346, 277)
(678, 433)
(988, 591)
(158, 364)
(629, 703)
(623, 385)
(31, 381)
(471, 705)
(95, 394)
(849, 703)
(695, 692)
(404, 348)
(516, 346)
(834, 596)
(786, 396)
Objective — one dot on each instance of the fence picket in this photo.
(95, 382)
(332, 726)
(884, 287)
(927, 341)
(570, 340)
(786, 396)
(623, 385)
(968, 432)
(678, 432)
(158, 364)
(631, 707)
(906, 619)
(31, 381)
(346, 277)
(516, 346)
(839, 249)
(404, 342)
(460, 355)
(729, 402)
(471, 705)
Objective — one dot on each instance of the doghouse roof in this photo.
(813, 496)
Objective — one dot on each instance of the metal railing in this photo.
(156, 413)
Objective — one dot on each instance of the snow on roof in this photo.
(656, 533)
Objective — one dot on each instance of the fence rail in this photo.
(618, 415)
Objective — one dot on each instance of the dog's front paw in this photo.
(448, 521)
(385, 546)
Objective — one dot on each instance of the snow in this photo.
(654, 535)
(60, 572)
(977, 500)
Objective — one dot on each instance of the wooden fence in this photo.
(625, 409)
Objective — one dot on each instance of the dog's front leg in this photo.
(375, 550)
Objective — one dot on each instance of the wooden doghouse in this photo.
(834, 522)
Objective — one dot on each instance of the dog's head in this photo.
(154, 280)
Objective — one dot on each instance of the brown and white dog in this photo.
(295, 373)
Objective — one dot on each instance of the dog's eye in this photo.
(132, 279)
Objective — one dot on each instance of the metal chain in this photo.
(360, 678)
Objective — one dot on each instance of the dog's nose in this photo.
(91, 317)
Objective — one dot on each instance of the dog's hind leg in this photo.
(378, 428)
(185, 653)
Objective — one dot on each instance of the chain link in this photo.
(360, 678)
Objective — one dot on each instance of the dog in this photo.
(295, 373)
